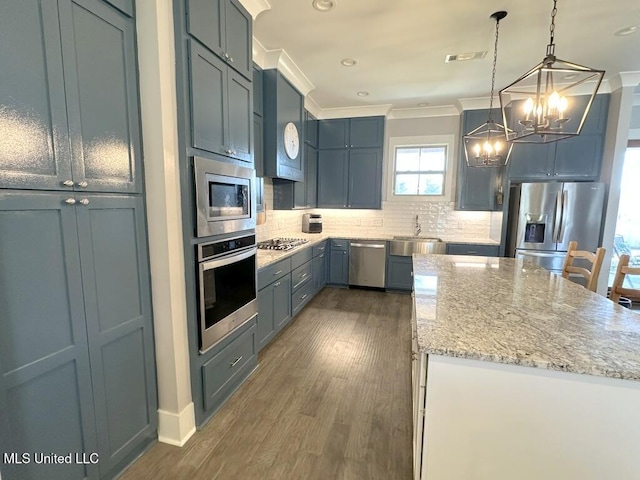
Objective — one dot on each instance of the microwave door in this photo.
(538, 216)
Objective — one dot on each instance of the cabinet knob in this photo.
(231, 59)
(68, 183)
(84, 201)
(548, 174)
(70, 201)
(555, 174)
(277, 284)
(225, 55)
(82, 184)
(228, 151)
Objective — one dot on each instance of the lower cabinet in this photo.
(399, 273)
(319, 272)
(339, 262)
(473, 249)
(274, 309)
(77, 355)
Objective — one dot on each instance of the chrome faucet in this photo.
(417, 228)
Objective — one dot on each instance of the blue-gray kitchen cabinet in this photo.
(283, 104)
(357, 132)
(282, 302)
(333, 133)
(288, 195)
(225, 28)
(266, 326)
(77, 354)
(221, 106)
(484, 250)
(310, 129)
(339, 262)
(333, 178)
(71, 93)
(258, 99)
(258, 161)
(399, 273)
(477, 188)
(365, 178)
(319, 272)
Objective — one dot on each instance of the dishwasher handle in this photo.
(368, 245)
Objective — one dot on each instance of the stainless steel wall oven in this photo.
(224, 197)
(227, 284)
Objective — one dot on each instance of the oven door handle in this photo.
(221, 262)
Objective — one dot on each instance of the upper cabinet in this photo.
(310, 129)
(224, 27)
(477, 188)
(361, 132)
(69, 97)
(283, 128)
(221, 106)
(576, 158)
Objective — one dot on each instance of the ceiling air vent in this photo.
(460, 57)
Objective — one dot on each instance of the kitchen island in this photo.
(519, 373)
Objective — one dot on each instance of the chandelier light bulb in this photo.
(476, 149)
(497, 146)
(487, 148)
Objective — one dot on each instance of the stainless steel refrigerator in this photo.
(545, 217)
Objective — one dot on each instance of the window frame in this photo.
(448, 141)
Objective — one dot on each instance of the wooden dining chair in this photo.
(617, 289)
(594, 258)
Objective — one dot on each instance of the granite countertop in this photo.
(506, 311)
(267, 257)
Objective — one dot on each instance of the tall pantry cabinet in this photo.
(77, 368)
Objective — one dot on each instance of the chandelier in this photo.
(485, 146)
(551, 101)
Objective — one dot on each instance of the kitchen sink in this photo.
(408, 245)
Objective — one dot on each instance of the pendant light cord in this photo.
(551, 48)
(493, 74)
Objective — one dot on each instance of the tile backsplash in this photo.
(396, 218)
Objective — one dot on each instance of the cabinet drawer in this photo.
(470, 249)
(300, 258)
(339, 244)
(300, 276)
(271, 273)
(300, 298)
(320, 248)
(224, 370)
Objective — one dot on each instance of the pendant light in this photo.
(551, 101)
(486, 146)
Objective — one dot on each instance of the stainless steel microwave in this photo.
(225, 197)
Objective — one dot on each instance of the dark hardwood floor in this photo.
(331, 399)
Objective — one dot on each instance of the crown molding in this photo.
(255, 7)
(422, 112)
(311, 105)
(280, 59)
(346, 112)
(624, 79)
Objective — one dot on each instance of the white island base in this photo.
(494, 421)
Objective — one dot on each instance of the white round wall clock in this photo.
(291, 140)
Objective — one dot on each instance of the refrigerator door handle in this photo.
(557, 218)
(565, 195)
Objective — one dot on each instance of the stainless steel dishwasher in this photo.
(367, 263)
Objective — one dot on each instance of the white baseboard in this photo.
(176, 428)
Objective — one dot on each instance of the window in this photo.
(420, 170)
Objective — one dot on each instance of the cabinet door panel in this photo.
(266, 326)
(34, 147)
(208, 76)
(310, 129)
(339, 267)
(45, 379)
(366, 132)
(579, 157)
(365, 172)
(532, 161)
(311, 174)
(239, 38)
(282, 302)
(240, 117)
(399, 273)
(258, 145)
(258, 106)
(205, 21)
(332, 178)
(333, 133)
(118, 308)
(102, 95)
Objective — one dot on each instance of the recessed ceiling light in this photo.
(363, 94)
(323, 5)
(348, 62)
(423, 104)
(570, 76)
(461, 57)
(627, 30)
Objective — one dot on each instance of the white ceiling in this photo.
(400, 45)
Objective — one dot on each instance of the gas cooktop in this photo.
(281, 243)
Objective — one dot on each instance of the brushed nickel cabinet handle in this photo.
(84, 201)
(70, 201)
(68, 183)
(278, 272)
(235, 362)
(82, 184)
(231, 59)
(277, 284)
(303, 296)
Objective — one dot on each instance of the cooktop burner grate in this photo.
(281, 243)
